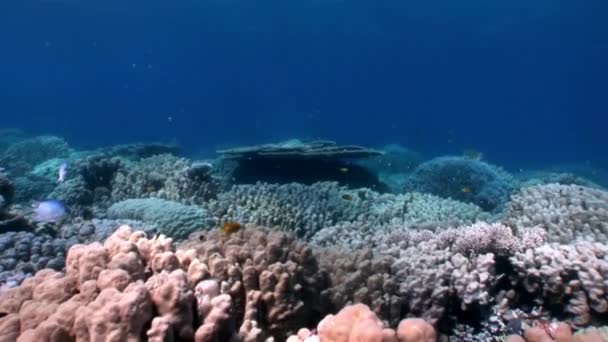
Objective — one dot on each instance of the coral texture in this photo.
(308, 209)
(252, 285)
(357, 323)
(173, 219)
(567, 212)
(22, 156)
(168, 177)
(463, 179)
(572, 277)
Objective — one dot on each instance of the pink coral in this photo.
(357, 323)
(254, 284)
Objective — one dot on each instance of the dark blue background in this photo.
(524, 81)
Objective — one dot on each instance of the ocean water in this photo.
(522, 81)
(487, 213)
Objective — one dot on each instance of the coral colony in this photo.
(294, 241)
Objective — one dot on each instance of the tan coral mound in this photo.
(131, 288)
(357, 323)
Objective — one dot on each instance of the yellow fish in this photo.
(230, 227)
(344, 169)
(347, 197)
(466, 189)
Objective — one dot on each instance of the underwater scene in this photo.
(303, 170)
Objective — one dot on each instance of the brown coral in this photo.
(273, 280)
(361, 277)
(254, 284)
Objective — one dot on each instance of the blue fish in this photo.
(49, 211)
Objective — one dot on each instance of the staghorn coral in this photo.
(567, 212)
(486, 185)
(168, 177)
(172, 218)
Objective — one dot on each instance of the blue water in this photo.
(523, 81)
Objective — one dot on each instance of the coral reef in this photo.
(168, 177)
(87, 231)
(570, 278)
(172, 218)
(28, 188)
(463, 179)
(274, 280)
(24, 253)
(567, 212)
(22, 156)
(563, 178)
(308, 209)
(453, 266)
(476, 253)
(397, 212)
(255, 286)
(361, 276)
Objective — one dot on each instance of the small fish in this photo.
(49, 211)
(230, 227)
(156, 236)
(466, 190)
(347, 197)
(344, 170)
(63, 171)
